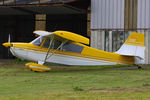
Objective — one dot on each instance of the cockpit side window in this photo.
(72, 48)
(66, 47)
(38, 41)
(46, 43)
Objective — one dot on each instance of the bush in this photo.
(77, 88)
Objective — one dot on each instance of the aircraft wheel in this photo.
(139, 67)
(36, 71)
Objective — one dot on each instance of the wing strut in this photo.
(49, 48)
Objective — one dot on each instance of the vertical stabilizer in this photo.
(133, 46)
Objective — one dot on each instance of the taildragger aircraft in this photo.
(68, 48)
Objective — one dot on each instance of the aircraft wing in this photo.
(43, 33)
(65, 35)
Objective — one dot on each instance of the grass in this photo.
(73, 83)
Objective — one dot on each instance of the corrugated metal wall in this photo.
(98, 39)
(117, 19)
(120, 14)
(143, 14)
(106, 17)
(107, 14)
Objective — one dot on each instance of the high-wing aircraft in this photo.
(68, 48)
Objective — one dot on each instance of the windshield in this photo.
(38, 41)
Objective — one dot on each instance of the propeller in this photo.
(9, 38)
(9, 47)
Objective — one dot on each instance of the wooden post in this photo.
(40, 23)
(130, 19)
(89, 22)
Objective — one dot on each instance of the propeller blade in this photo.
(9, 47)
(9, 38)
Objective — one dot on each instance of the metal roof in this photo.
(25, 7)
(30, 2)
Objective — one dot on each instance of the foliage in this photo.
(77, 88)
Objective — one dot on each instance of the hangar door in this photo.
(20, 28)
(17, 18)
(76, 23)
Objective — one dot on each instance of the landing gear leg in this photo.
(139, 67)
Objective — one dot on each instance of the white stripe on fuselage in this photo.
(58, 58)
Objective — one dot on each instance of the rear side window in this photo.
(55, 44)
(72, 48)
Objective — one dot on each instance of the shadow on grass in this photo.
(85, 68)
(17, 63)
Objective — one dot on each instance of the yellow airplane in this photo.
(68, 48)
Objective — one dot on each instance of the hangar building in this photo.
(108, 23)
(113, 20)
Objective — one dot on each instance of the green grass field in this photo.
(73, 83)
